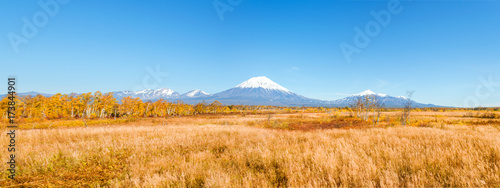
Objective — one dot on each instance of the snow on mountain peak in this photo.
(402, 97)
(366, 92)
(154, 93)
(262, 82)
(196, 92)
(144, 91)
(165, 91)
(369, 92)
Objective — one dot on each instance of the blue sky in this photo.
(444, 50)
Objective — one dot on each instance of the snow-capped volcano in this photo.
(262, 82)
(256, 87)
(195, 93)
(369, 92)
(262, 91)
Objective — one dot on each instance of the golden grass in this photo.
(65, 123)
(156, 155)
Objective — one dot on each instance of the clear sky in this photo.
(447, 51)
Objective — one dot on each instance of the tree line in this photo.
(99, 105)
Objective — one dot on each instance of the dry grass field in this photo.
(438, 149)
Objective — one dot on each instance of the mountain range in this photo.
(256, 91)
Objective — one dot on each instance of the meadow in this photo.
(261, 149)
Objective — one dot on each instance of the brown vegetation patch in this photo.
(346, 123)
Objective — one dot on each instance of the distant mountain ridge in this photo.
(148, 94)
(386, 100)
(32, 93)
(255, 91)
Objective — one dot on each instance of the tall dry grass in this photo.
(242, 156)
